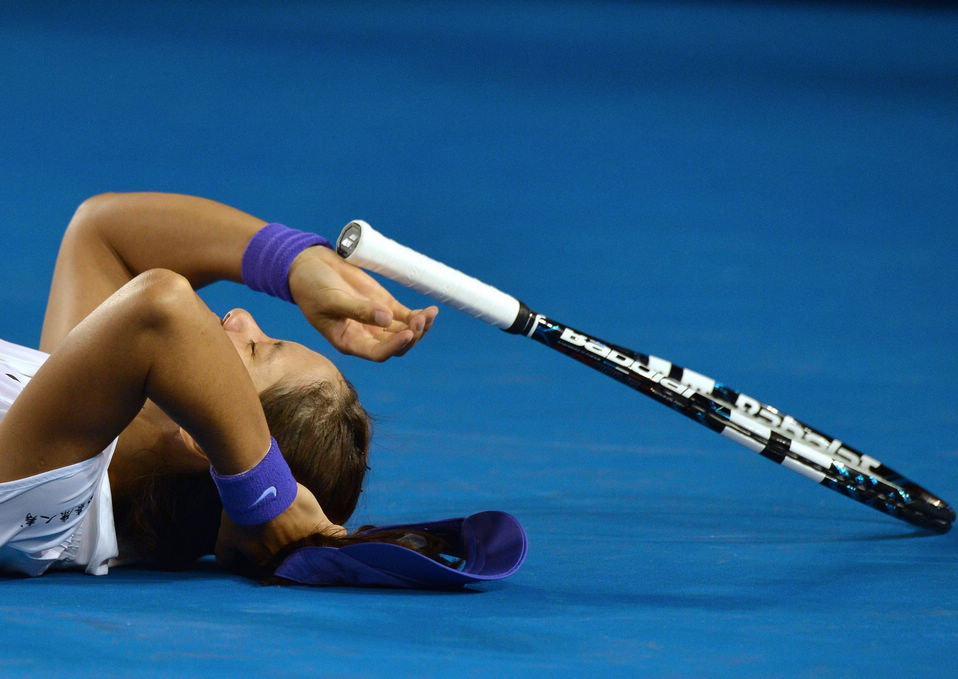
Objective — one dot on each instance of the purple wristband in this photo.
(259, 494)
(269, 254)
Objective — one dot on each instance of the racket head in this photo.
(747, 421)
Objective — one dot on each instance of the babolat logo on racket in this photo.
(750, 423)
(570, 336)
(796, 430)
(747, 405)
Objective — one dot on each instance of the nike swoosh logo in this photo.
(269, 491)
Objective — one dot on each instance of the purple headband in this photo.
(493, 545)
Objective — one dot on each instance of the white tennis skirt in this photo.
(62, 518)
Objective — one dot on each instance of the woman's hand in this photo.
(351, 310)
(247, 549)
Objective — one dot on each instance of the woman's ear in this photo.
(192, 446)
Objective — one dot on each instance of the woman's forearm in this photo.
(114, 237)
(154, 339)
(198, 238)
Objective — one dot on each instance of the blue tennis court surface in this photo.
(765, 193)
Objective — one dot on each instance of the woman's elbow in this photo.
(162, 296)
(91, 214)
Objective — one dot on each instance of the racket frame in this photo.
(749, 422)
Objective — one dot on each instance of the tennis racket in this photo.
(737, 416)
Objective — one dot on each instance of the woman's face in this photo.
(269, 360)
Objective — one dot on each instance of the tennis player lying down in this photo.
(106, 446)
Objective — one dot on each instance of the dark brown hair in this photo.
(324, 433)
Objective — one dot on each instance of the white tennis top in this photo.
(60, 519)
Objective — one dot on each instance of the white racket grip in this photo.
(362, 245)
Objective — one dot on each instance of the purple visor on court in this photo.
(492, 544)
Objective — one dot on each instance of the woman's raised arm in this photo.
(114, 237)
(155, 339)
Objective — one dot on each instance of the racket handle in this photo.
(362, 245)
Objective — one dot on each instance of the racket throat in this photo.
(526, 321)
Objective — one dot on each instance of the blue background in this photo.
(765, 193)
